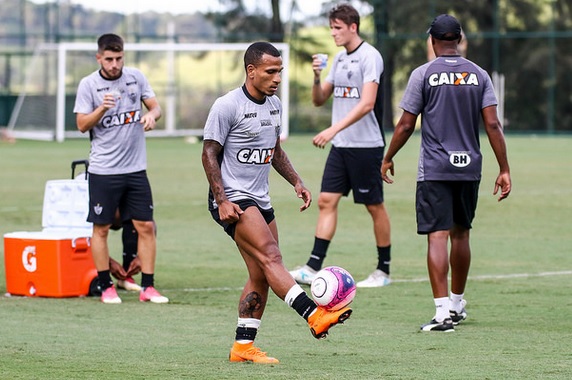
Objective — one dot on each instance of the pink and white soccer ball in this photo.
(333, 288)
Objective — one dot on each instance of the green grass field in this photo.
(519, 302)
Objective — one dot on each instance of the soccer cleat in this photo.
(458, 317)
(321, 320)
(444, 326)
(128, 284)
(109, 295)
(152, 295)
(375, 280)
(304, 275)
(247, 352)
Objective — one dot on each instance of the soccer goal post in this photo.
(186, 77)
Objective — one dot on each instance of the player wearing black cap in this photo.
(452, 95)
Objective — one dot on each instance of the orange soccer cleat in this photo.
(247, 352)
(321, 320)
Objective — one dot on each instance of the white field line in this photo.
(424, 279)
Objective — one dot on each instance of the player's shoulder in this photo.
(231, 97)
(93, 76)
(230, 102)
(369, 48)
(368, 53)
(91, 82)
(476, 67)
(132, 72)
(419, 71)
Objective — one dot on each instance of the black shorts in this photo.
(355, 169)
(130, 193)
(230, 228)
(441, 204)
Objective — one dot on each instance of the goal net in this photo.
(186, 77)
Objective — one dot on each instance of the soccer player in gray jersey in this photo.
(356, 134)
(108, 105)
(241, 143)
(452, 94)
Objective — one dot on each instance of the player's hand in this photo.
(229, 212)
(324, 137)
(148, 122)
(316, 62)
(503, 183)
(385, 166)
(303, 193)
(134, 267)
(109, 101)
(117, 270)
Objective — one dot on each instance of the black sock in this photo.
(147, 280)
(318, 253)
(245, 333)
(104, 279)
(384, 258)
(129, 238)
(304, 305)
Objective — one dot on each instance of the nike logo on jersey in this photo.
(453, 79)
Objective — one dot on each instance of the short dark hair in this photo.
(345, 13)
(111, 42)
(254, 53)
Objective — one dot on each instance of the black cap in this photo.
(445, 27)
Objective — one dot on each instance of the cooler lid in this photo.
(61, 234)
(66, 204)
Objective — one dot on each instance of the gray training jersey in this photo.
(348, 74)
(248, 130)
(449, 93)
(118, 139)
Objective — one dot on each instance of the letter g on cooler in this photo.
(29, 259)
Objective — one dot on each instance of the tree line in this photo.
(527, 41)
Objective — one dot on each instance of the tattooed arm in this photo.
(229, 212)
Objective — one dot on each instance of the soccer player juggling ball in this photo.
(241, 143)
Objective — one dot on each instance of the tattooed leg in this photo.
(251, 305)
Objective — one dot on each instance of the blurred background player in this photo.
(131, 264)
(357, 138)
(109, 104)
(452, 95)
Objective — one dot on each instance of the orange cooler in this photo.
(54, 262)
(48, 264)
